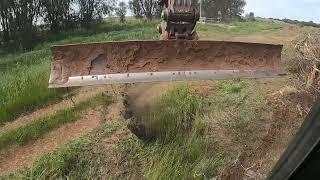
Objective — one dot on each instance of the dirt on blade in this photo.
(151, 56)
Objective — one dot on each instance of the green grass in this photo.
(68, 161)
(180, 143)
(57, 164)
(24, 76)
(181, 146)
(178, 109)
(191, 154)
(237, 105)
(236, 28)
(24, 89)
(38, 128)
(177, 126)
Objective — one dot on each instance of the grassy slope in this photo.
(188, 153)
(242, 31)
(182, 145)
(24, 76)
(237, 28)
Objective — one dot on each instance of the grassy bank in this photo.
(180, 145)
(38, 128)
(24, 89)
(238, 28)
(177, 129)
(69, 161)
(24, 76)
(181, 148)
(179, 138)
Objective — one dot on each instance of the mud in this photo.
(159, 56)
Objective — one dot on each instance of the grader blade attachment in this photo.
(152, 61)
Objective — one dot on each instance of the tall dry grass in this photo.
(303, 61)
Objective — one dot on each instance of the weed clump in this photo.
(303, 61)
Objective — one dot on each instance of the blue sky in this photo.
(307, 10)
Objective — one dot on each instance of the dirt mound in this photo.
(289, 107)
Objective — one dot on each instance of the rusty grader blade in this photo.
(151, 61)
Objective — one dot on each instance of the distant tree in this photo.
(147, 8)
(92, 11)
(5, 20)
(57, 13)
(121, 11)
(25, 15)
(18, 22)
(210, 8)
(134, 6)
(250, 16)
(224, 8)
(235, 8)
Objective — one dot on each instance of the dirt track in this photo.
(82, 95)
(22, 156)
(19, 157)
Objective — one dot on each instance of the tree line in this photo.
(224, 9)
(20, 19)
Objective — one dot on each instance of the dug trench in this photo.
(270, 136)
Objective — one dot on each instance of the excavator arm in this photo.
(179, 18)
